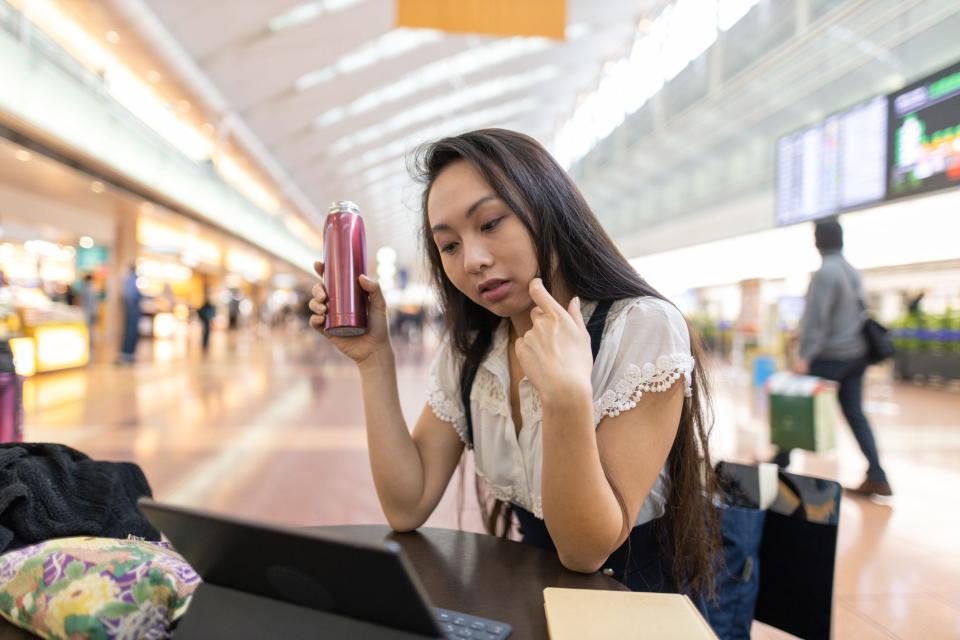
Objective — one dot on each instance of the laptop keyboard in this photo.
(458, 626)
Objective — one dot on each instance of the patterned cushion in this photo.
(95, 588)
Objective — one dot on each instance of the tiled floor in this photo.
(270, 426)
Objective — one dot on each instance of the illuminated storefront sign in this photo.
(38, 259)
(61, 346)
(91, 258)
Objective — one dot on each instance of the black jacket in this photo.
(52, 491)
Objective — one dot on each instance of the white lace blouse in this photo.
(645, 348)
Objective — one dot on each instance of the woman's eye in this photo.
(448, 248)
(490, 225)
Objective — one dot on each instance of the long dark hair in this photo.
(571, 244)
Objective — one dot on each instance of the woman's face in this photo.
(486, 251)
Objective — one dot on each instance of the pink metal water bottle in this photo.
(345, 259)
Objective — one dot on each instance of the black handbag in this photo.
(879, 343)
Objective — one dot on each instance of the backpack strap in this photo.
(598, 320)
(467, 375)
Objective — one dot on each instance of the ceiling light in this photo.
(296, 16)
(389, 45)
(393, 185)
(382, 173)
(493, 116)
(86, 242)
(153, 77)
(306, 11)
(22, 155)
(444, 106)
(330, 117)
(315, 78)
(112, 37)
(439, 73)
(97, 187)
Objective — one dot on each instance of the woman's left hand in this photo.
(555, 354)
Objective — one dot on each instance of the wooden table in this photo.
(469, 572)
(483, 575)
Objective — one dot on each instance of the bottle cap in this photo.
(344, 205)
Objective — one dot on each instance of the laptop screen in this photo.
(360, 580)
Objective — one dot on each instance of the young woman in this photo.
(596, 440)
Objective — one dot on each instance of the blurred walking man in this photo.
(832, 346)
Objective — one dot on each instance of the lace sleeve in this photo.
(443, 394)
(646, 349)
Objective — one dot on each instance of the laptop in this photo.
(282, 581)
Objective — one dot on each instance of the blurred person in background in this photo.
(166, 301)
(303, 310)
(233, 310)
(206, 312)
(609, 463)
(131, 316)
(90, 301)
(913, 307)
(832, 346)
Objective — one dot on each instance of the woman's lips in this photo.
(497, 293)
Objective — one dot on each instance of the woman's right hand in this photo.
(375, 342)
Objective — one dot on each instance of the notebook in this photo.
(574, 614)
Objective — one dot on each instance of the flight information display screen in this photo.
(834, 165)
(924, 140)
(864, 153)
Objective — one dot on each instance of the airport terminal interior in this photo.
(166, 174)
